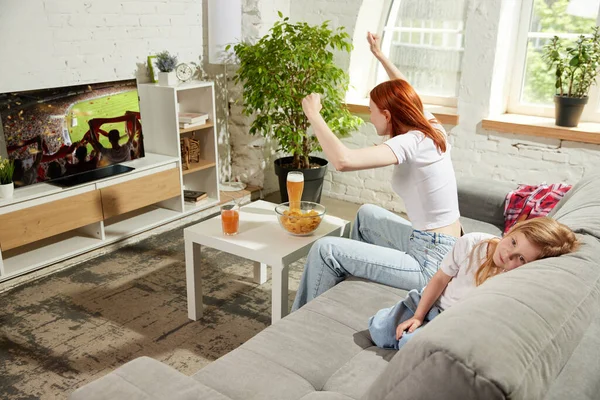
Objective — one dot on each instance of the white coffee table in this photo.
(260, 239)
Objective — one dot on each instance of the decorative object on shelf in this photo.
(152, 72)
(576, 69)
(7, 186)
(190, 152)
(276, 78)
(166, 63)
(184, 72)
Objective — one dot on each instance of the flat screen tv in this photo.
(58, 132)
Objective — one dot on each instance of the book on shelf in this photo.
(184, 125)
(194, 195)
(192, 118)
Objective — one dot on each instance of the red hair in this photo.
(406, 109)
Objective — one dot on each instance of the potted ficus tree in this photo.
(7, 186)
(277, 72)
(166, 64)
(576, 68)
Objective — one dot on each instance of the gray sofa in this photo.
(530, 334)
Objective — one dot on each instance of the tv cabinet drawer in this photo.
(34, 223)
(141, 192)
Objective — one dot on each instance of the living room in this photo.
(88, 289)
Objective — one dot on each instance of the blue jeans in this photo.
(383, 248)
(382, 326)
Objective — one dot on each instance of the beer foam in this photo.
(295, 177)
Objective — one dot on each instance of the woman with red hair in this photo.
(384, 247)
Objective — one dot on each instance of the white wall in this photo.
(476, 152)
(252, 158)
(47, 43)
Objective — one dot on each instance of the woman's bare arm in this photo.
(392, 71)
(343, 158)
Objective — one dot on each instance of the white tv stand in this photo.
(44, 224)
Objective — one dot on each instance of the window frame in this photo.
(386, 42)
(591, 112)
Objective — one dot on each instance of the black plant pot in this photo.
(567, 110)
(313, 178)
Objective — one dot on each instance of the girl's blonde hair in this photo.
(550, 236)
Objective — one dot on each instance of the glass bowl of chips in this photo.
(303, 221)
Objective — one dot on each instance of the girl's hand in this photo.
(409, 325)
(311, 105)
(373, 40)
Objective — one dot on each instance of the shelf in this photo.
(203, 164)
(203, 204)
(41, 253)
(137, 221)
(196, 128)
(586, 132)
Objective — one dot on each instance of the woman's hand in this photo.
(373, 40)
(409, 325)
(311, 105)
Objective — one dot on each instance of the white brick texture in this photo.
(68, 42)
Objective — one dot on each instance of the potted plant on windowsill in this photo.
(166, 64)
(7, 187)
(277, 72)
(576, 68)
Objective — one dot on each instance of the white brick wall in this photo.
(47, 43)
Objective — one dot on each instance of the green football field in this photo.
(102, 107)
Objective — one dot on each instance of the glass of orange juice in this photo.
(230, 219)
(295, 187)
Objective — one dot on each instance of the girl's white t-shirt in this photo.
(459, 264)
(424, 178)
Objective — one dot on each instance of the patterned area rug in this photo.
(62, 331)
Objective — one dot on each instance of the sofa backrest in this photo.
(483, 200)
(579, 209)
(509, 339)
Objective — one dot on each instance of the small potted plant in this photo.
(576, 68)
(166, 64)
(290, 62)
(7, 187)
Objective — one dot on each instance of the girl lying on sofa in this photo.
(475, 258)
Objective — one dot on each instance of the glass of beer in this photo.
(295, 187)
(230, 219)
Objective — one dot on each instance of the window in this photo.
(532, 91)
(425, 40)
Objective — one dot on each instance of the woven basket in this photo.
(190, 152)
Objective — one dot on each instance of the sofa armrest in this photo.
(145, 379)
(483, 200)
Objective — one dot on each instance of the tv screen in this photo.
(57, 132)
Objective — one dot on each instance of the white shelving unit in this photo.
(160, 106)
(152, 193)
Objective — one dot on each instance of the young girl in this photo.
(474, 258)
(384, 247)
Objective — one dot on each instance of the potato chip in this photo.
(300, 222)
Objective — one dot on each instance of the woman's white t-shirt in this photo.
(424, 178)
(462, 264)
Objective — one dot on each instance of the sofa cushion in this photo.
(510, 338)
(483, 200)
(579, 209)
(472, 225)
(319, 348)
(579, 378)
(145, 379)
